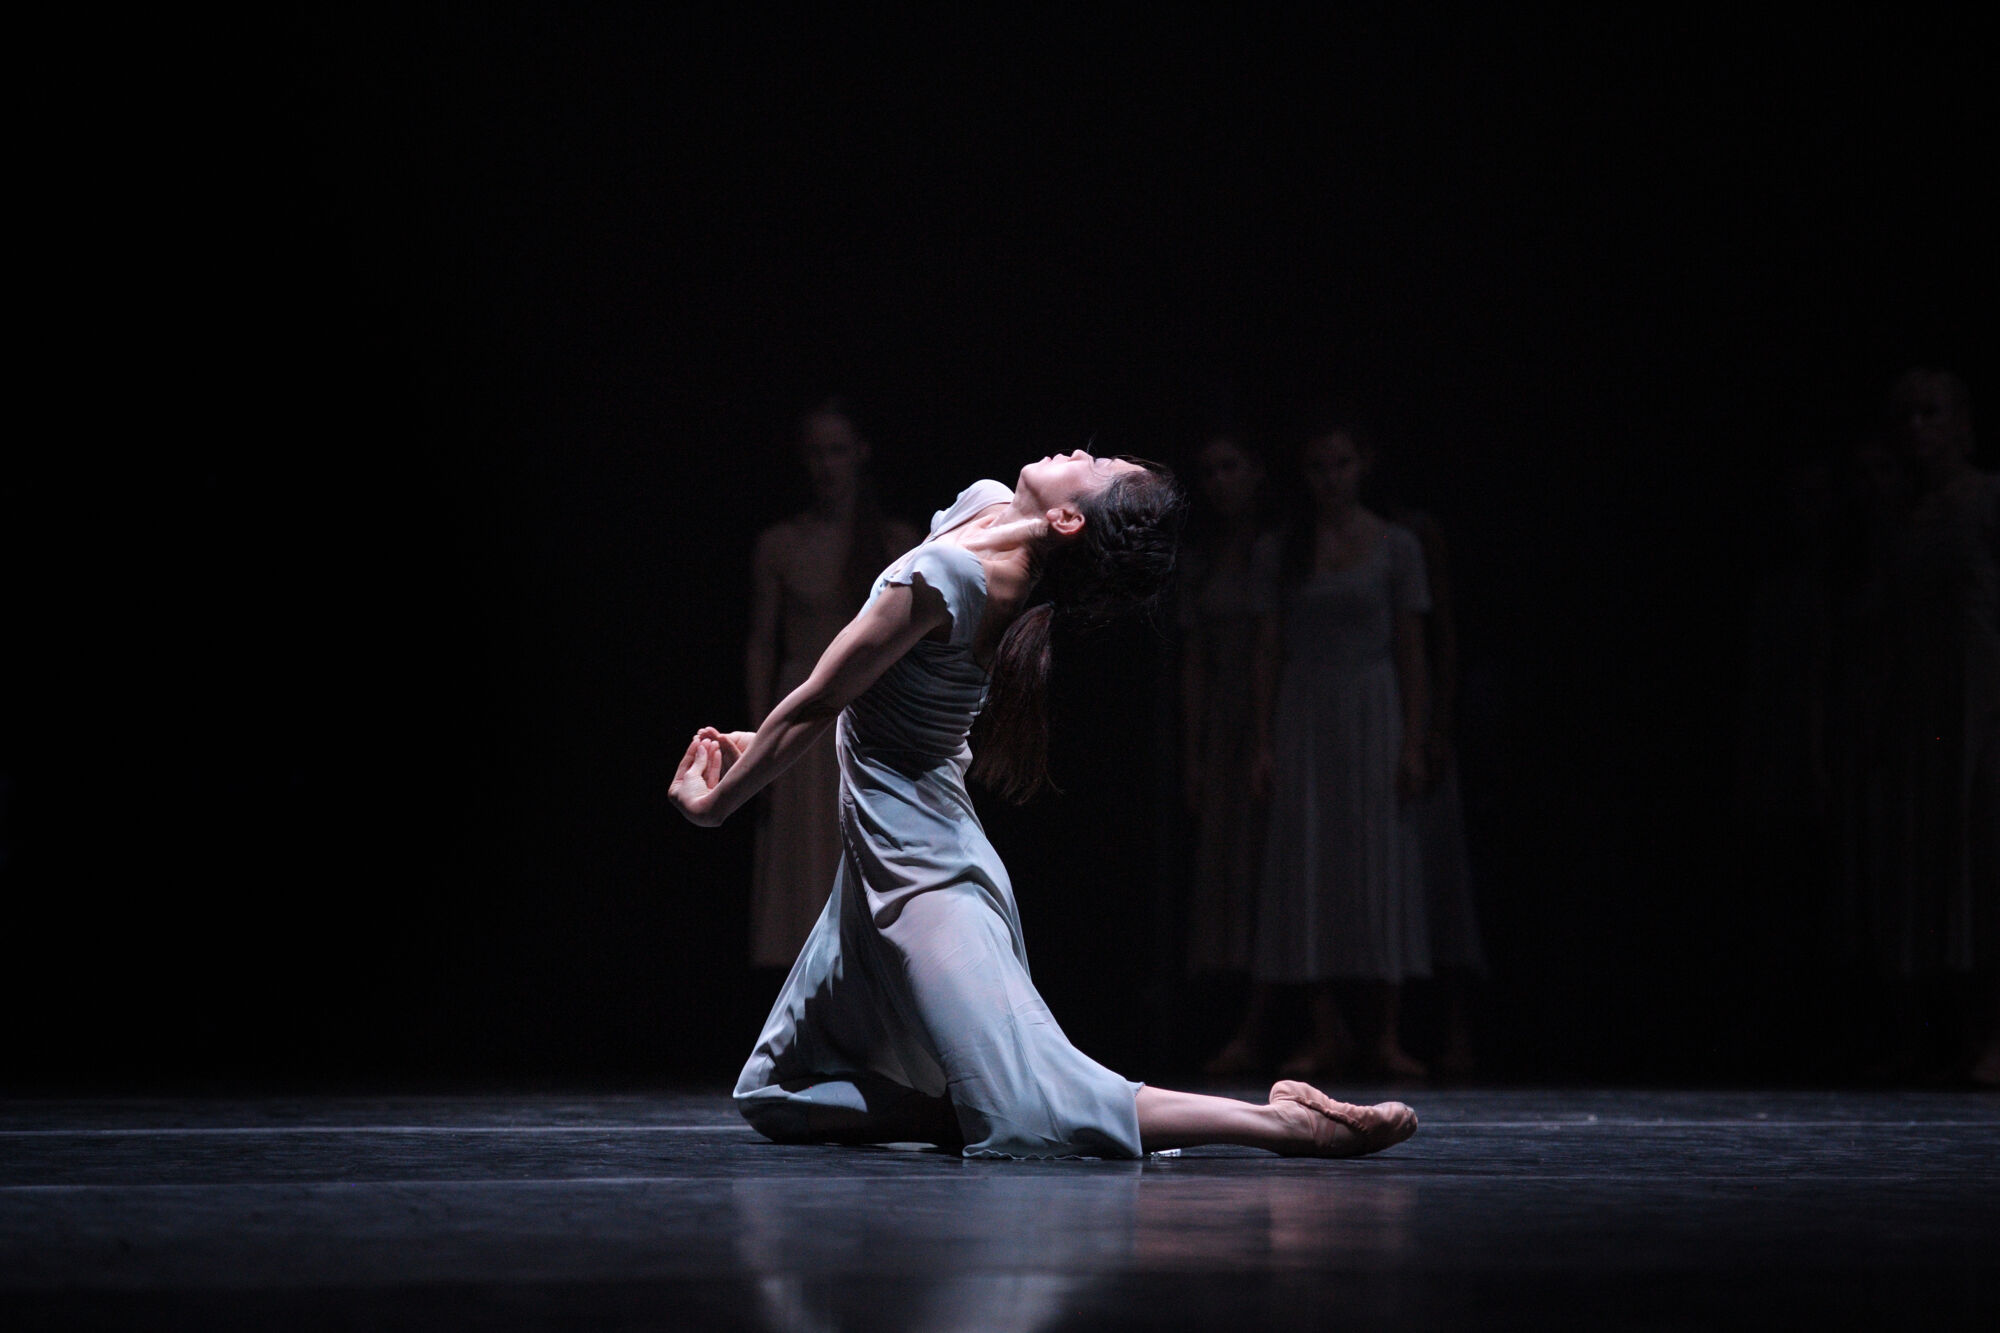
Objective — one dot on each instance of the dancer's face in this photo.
(1060, 480)
(1334, 467)
(1931, 422)
(833, 454)
(1229, 478)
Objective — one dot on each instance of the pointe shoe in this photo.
(1338, 1129)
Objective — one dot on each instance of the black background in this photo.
(417, 382)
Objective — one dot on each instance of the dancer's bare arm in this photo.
(720, 772)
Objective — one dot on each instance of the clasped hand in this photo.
(709, 756)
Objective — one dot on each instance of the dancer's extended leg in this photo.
(1298, 1120)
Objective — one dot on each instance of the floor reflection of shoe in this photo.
(1238, 1057)
(1328, 1128)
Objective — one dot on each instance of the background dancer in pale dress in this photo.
(910, 1014)
(1228, 610)
(1342, 894)
(809, 575)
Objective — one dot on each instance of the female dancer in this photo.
(810, 573)
(1341, 899)
(909, 1015)
(1229, 609)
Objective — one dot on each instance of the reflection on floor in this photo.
(1510, 1208)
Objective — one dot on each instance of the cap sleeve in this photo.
(957, 575)
(1409, 583)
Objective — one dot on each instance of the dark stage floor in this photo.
(1510, 1208)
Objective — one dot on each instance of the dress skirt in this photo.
(1342, 893)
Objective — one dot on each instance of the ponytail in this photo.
(1011, 755)
(1119, 564)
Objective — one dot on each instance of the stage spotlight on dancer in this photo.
(910, 1015)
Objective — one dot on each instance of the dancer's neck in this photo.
(1005, 540)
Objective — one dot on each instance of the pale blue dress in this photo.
(910, 1014)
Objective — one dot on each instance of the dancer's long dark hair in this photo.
(1119, 564)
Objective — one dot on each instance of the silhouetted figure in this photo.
(809, 575)
(1229, 603)
(1458, 957)
(1938, 909)
(1341, 898)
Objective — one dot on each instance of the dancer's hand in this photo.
(693, 789)
(733, 743)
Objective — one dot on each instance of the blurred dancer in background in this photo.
(1228, 613)
(1341, 748)
(809, 575)
(1937, 923)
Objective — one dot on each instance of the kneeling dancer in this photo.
(909, 1015)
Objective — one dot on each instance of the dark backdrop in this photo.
(423, 378)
